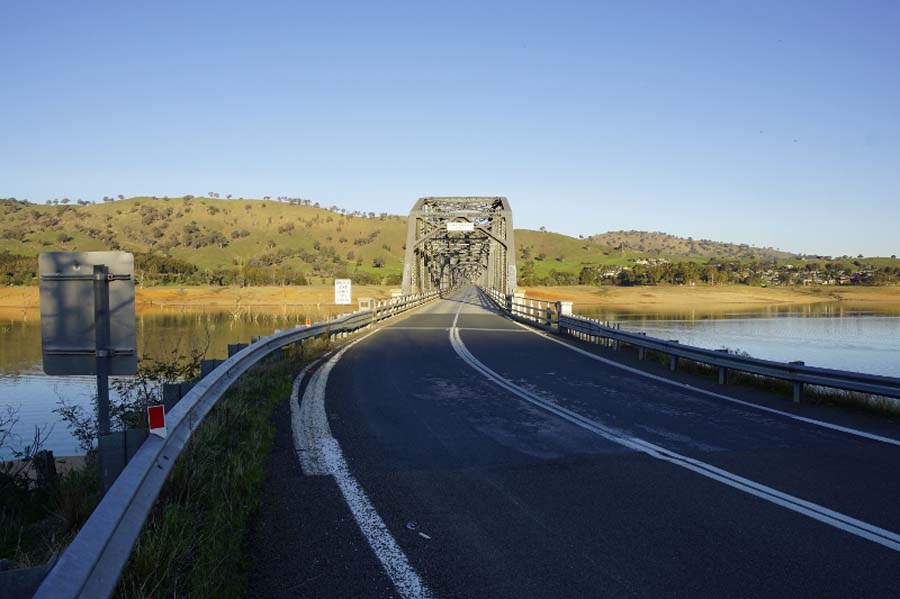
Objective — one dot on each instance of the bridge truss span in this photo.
(452, 241)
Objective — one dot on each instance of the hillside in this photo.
(172, 236)
(663, 244)
(215, 241)
(213, 234)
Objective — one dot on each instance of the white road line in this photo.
(320, 454)
(838, 520)
(693, 389)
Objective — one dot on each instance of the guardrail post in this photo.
(642, 351)
(798, 386)
(723, 371)
(673, 359)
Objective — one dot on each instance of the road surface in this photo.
(455, 453)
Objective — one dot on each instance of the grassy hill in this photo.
(665, 245)
(212, 234)
(262, 240)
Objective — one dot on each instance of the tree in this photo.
(121, 197)
(378, 261)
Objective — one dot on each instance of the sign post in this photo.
(342, 292)
(88, 327)
(101, 344)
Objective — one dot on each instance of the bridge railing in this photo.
(559, 318)
(93, 562)
(541, 313)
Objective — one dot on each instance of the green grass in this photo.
(42, 225)
(34, 524)
(193, 543)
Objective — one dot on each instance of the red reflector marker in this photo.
(156, 418)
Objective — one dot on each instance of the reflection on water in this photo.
(820, 309)
(24, 386)
(838, 336)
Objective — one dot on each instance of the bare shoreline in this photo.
(718, 298)
(633, 299)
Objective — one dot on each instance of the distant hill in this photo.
(652, 242)
(226, 241)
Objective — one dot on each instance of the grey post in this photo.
(798, 385)
(723, 371)
(101, 339)
(673, 359)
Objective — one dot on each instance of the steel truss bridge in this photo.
(452, 241)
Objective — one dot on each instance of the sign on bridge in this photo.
(460, 226)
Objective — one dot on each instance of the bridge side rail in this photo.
(93, 562)
(796, 373)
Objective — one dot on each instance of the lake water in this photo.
(826, 335)
(24, 386)
(821, 335)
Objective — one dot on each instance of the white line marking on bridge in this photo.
(838, 520)
(320, 454)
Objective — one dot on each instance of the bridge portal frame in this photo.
(440, 259)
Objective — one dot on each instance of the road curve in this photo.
(455, 453)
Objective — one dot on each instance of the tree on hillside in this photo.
(121, 197)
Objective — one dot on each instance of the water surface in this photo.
(828, 335)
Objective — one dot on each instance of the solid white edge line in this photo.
(686, 386)
(320, 454)
(812, 510)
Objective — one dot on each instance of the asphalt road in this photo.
(489, 461)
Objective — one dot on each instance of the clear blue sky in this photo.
(773, 123)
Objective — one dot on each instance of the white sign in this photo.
(460, 226)
(342, 291)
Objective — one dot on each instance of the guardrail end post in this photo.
(798, 391)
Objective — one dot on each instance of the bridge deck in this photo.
(540, 484)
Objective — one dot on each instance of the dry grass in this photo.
(720, 298)
(15, 299)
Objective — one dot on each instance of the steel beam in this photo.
(437, 258)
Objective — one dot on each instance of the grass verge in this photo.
(193, 543)
(35, 522)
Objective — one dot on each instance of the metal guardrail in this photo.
(592, 331)
(90, 567)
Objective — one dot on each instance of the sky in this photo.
(770, 123)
